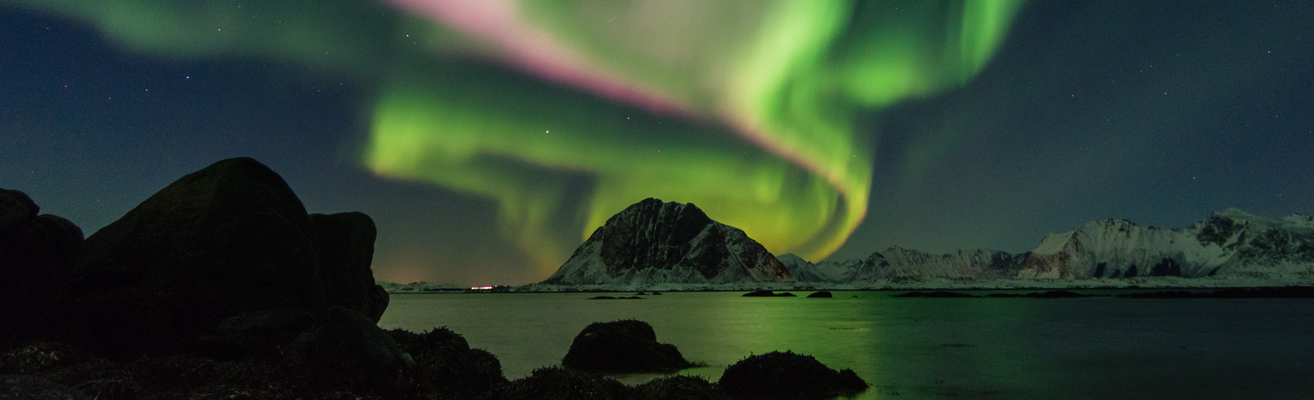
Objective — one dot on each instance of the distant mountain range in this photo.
(1228, 244)
(673, 245)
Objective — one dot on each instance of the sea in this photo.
(924, 348)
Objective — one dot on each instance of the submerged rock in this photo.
(777, 375)
(622, 346)
(822, 294)
(768, 293)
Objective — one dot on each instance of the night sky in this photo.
(488, 138)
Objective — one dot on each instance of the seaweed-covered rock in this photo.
(346, 341)
(777, 375)
(33, 388)
(622, 346)
(554, 383)
(444, 360)
(680, 387)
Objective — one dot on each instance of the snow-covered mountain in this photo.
(897, 263)
(1229, 244)
(653, 242)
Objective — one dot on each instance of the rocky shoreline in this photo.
(222, 286)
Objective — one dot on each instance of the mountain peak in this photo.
(668, 242)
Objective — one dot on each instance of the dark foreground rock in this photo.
(36, 253)
(221, 243)
(787, 375)
(680, 387)
(554, 383)
(443, 359)
(820, 295)
(32, 388)
(623, 346)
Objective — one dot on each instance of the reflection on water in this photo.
(1101, 347)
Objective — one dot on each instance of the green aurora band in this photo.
(750, 109)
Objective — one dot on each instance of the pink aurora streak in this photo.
(535, 51)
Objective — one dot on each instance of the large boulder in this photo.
(37, 252)
(345, 242)
(623, 346)
(226, 241)
(16, 209)
(777, 375)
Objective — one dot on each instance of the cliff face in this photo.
(658, 242)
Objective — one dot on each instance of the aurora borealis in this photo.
(494, 135)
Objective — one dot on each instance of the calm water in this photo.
(926, 348)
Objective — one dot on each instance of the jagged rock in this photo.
(345, 244)
(656, 242)
(622, 346)
(443, 359)
(554, 383)
(777, 375)
(346, 341)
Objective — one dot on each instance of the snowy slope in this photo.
(1228, 243)
(1232, 244)
(653, 242)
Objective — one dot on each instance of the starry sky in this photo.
(488, 138)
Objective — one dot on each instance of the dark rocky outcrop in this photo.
(657, 242)
(622, 346)
(33, 388)
(787, 375)
(37, 252)
(229, 240)
(443, 359)
(554, 383)
(820, 295)
(345, 248)
(347, 342)
(680, 387)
